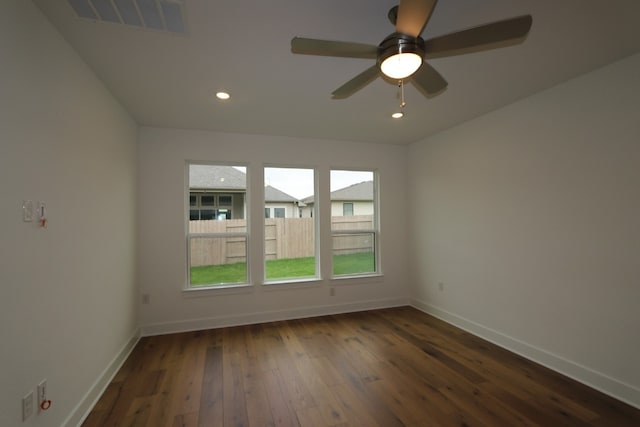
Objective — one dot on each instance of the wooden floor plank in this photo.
(387, 368)
(211, 396)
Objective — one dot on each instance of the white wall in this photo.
(67, 293)
(162, 248)
(529, 217)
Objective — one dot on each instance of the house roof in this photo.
(208, 177)
(228, 178)
(272, 194)
(362, 191)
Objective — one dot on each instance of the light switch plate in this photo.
(27, 406)
(27, 210)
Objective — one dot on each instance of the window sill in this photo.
(244, 288)
(375, 277)
(305, 283)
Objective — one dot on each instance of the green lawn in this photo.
(282, 269)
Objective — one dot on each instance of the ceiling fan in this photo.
(401, 55)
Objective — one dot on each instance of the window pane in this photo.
(207, 200)
(217, 236)
(354, 187)
(217, 260)
(353, 222)
(290, 248)
(354, 253)
(207, 214)
(266, 213)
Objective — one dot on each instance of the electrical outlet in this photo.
(27, 406)
(42, 392)
(440, 286)
(332, 291)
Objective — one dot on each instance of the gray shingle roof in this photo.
(208, 177)
(362, 191)
(216, 177)
(272, 194)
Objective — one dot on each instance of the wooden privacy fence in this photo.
(284, 238)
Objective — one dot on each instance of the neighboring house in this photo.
(219, 192)
(278, 204)
(356, 199)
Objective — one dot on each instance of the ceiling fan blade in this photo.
(428, 80)
(356, 83)
(413, 16)
(333, 48)
(484, 37)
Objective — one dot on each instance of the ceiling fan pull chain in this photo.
(400, 114)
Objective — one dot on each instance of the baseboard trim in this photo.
(601, 382)
(82, 409)
(267, 316)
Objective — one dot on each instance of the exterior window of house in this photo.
(354, 223)
(273, 212)
(217, 234)
(290, 243)
(209, 206)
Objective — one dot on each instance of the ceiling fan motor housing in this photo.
(400, 43)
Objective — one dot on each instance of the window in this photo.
(354, 224)
(208, 206)
(217, 236)
(277, 212)
(217, 233)
(290, 244)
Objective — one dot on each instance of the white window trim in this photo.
(294, 282)
(375, 230)
(225, 288)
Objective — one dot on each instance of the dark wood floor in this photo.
(384, 368)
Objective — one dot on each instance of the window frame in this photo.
(344, 209)
(302, 280)
(324, 234)
(189, 236)
(375, 230)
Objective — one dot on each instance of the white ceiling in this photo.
(243, 46)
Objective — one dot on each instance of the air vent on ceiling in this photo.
(161, 15)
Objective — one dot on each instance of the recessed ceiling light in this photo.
(398, 115)
(223, 95)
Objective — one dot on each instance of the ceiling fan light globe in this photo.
(401, 65)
